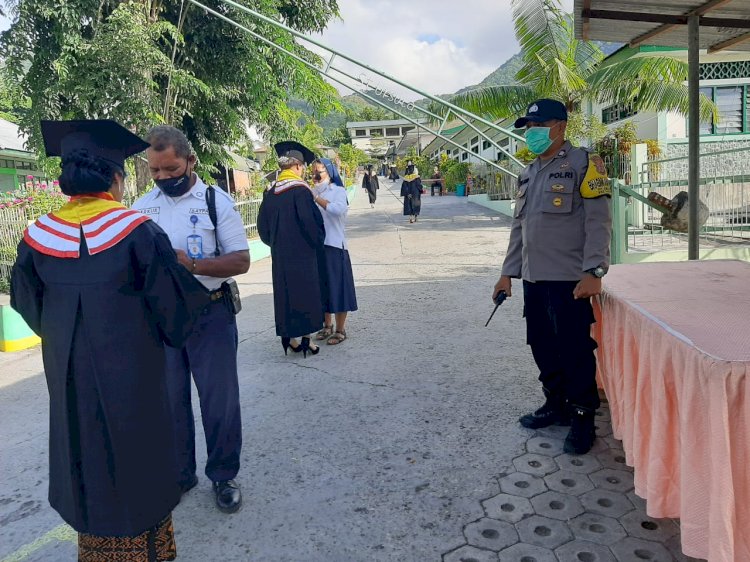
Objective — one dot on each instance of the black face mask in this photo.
(317, 177)
(175, 187)
(410, 169)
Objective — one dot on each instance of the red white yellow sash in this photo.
(103, 221)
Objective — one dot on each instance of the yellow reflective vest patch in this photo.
(596, 183)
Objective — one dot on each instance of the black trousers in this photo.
(211, 356)
(558, 329)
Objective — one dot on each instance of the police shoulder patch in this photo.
(595, 183)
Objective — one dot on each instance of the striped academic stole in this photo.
(287, 180)
(103, 222)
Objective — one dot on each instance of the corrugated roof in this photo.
(10, 137)
(724, 24)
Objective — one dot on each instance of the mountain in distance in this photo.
(505, 74)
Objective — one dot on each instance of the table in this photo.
(674, 361)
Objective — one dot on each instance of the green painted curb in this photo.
(15, 335)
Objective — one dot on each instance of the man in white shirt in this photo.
(179, 205)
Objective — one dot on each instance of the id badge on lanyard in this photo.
(194, 242)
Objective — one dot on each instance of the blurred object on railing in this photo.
(676, 211)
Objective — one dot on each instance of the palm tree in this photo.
(557, 65)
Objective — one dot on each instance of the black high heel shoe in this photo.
(304, 346)
(286, 343)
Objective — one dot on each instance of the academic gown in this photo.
(372, 189)
(291, 224)
(104, 320)
(411, 191)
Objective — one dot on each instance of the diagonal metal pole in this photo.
(363, 94)
(456, 109)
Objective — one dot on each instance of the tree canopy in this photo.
(146, 62)
(557, 65)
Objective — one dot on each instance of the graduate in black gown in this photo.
(101, 285)
(290, 223)
(411, 191)
(372, 186)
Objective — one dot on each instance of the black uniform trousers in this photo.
(558, 329)
(211, 356)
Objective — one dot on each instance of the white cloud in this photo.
(462, 40)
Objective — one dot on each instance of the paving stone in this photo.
(582, 464)
(607, 503)
(597, 528)
(522, 484)
(567, 482)
(545, 445)
(584, 551)
(599, 446)
(543, 531)
(614, 458)
(613, 443)
(557, 506)
(538, 465)
(470, 554)
(632, 550)
(613, 480)
(508, 508)
(637, 501)
(522, 552)
(603, 414)
(491, 534)
(603, 428)
(554, 431)
(641, 526)
(675, 548)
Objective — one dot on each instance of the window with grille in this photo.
(376, 132)
(725, 70)
(486, 144)
(360, 133)
(392, 132)
(733, 103)
(616, 112)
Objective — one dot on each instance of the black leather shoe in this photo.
(582, 433)
(228, 496)
(185, 487)
(553, 412)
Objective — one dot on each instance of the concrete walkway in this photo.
(400, 444)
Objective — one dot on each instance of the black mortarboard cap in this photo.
(293, 149)
(103, 138)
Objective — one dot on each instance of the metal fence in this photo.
(724, 190)
(249, 212)
(497, 185)
(13, 221)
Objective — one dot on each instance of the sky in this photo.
(439, 46)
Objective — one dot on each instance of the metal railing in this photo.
(249, 212)
(13, 221)
(496, 185)
(724, 189)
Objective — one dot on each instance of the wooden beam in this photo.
(699, 11)
(585, 24)
(665, 18)
(715, 48)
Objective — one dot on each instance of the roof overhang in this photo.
(724, 24)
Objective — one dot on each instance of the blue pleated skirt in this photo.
(341, 295)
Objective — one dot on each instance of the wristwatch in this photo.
(597, 272)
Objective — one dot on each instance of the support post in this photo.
(693, 135)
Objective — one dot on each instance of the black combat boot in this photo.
(554, 411)
(581, 436)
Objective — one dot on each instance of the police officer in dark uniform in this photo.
(213, 253)
(559, 246)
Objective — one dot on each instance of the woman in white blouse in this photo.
(339, 295)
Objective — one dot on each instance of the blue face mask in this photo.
(537, 139)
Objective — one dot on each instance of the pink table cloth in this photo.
(674, 361)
